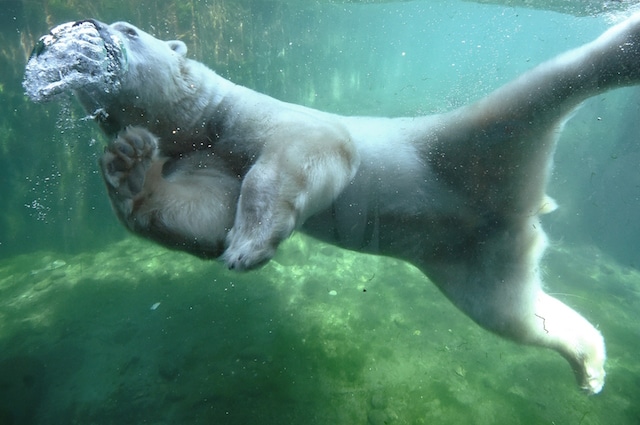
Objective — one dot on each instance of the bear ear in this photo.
(178, 46)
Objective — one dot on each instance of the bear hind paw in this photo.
(126, 160)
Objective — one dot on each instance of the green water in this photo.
(98, 327)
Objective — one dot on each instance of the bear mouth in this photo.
(80, 55)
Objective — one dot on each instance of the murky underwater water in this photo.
(97, 327)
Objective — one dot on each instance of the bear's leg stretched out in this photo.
(497, 282)
(187, 203)
(497, 155)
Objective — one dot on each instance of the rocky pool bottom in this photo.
(136, 334)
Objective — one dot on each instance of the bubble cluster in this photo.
(72, 56)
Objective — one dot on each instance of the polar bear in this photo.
(200, 164)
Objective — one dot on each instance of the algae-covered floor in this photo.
(136, 334)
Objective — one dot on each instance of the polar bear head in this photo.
(118, 71)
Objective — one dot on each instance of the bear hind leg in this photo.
(499, 286)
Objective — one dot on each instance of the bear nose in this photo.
(99, 25)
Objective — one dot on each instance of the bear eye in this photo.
(127, 30)
(131, 32)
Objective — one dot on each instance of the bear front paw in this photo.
(246, 253)
(126, 161)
